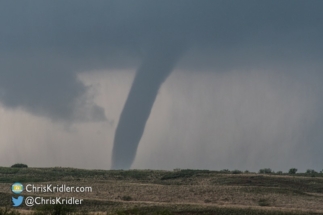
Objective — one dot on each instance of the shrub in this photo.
(19, 165)
(279, 172)
(225, 171)
(236, 172)
(126, 198)
(184, 173)
(292, 171)
(265, 171)
(207, 201)
(263, 202)
(311, 171)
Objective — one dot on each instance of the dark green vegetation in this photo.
(283, 183)
(19, 165)
(185, 173)
(173, 192)
(68, 174)
(265, 171)
(9, 175)
(292, 171)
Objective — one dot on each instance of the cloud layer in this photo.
(46, 45)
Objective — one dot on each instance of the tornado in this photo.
(154, 70)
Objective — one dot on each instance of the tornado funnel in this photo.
(155, 68)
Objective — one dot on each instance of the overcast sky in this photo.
(245, 92)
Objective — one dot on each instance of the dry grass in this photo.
(176, 191)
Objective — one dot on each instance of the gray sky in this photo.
(245, 94)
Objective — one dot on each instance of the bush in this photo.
(263, 202)
(207, 201)
(19, 165)
(236, 172)
(279, 172)
(126, 198)
(225, 171)
(265, 171)
(311, 171)
(292, 171)
(184, 173)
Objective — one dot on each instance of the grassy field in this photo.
(169, 192)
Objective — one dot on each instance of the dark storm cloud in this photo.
(82, 28)
(45, 44)
(60, 38)
(114, 33)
